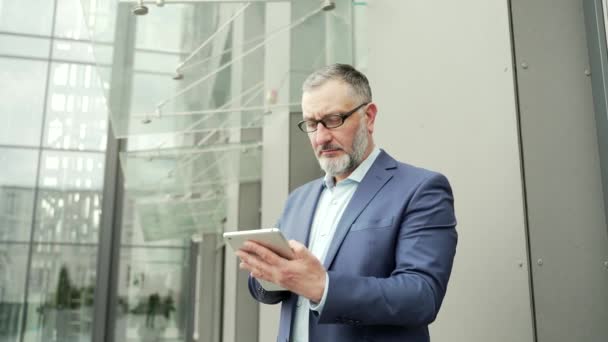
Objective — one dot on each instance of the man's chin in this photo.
(332, 165)
(330, 154)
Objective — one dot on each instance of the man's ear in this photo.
(370, 113)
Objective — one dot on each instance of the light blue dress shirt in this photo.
(331, 206)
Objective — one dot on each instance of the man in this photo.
(380, 234)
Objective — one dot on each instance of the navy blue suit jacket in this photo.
(389, 261)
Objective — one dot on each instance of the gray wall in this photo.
(443, 81)
(518, 161)
(568, 242)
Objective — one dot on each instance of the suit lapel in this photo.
(373, 181)
(307, 213)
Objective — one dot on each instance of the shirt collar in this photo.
(358, 174)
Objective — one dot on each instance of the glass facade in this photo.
(187, 89)
(52, 146)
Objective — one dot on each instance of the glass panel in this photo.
(70, 23)
(61, 289)
(149, 89)
(164, 218)
(360, 37)
(338, 33)
(156, 61)
(67, 50)
(72, 171)
(68, 216)
(99, 17)
(21, 108)
(13, 264)
(32, 16)
(16, 45)
(153, 32)
(61, 278)
(17, 183)
(77, 113)
(180, 191)
(199, 48)
(153, 293)
(133, 233)
(189, 170)
(327, 38)
(69, 202)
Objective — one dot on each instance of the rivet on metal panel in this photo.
(539, 262)
(587, 72)
(606, 264)
(520, 264)
(524, 65)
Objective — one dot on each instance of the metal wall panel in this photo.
(597, 45)
(441, 73)
(567, 229)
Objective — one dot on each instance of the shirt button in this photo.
(299, 303)
(334, 202)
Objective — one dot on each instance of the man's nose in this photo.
(322, 135)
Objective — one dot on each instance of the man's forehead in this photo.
(326, 100)
(310, 110)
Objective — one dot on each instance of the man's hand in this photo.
(303, 275)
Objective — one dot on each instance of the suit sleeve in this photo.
(263, 296)
(424, 253)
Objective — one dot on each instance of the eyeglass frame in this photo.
(342, 116)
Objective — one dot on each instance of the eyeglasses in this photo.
(328, 121)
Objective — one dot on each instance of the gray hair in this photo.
(342, 72)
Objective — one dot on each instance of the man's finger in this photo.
(295, 244)
(297, 247)
(263, 253)
(245, 266)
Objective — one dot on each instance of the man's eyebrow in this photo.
(333, 112)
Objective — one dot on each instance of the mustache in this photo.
(328, 147)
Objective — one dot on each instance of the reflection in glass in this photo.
(69, 199)
(17, 183)
(69, 216)
(100, 16)
(61, 289)
(22, 82)
(13, 263)
(191, 170)
(23, 46)
(71, 24)
(153, 293)
(72, 171)
(32, 16)
(76, 115)
(67, 50)
(46, 175)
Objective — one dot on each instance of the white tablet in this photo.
(271, 238)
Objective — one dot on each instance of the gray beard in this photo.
(347, 162)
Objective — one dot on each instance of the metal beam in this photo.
(111, 220)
